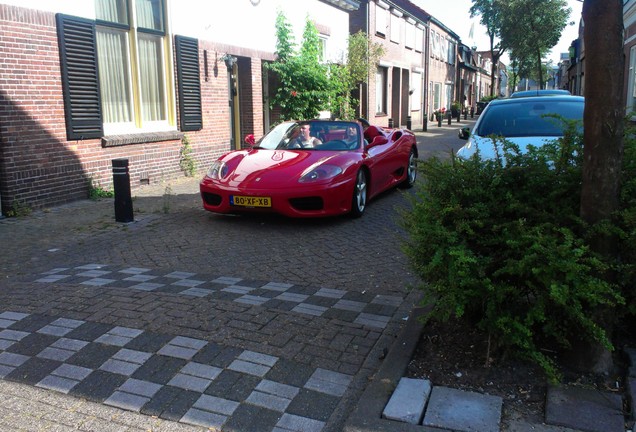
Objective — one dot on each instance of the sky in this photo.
(455, 14)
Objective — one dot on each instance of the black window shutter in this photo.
(189, 84)
(80, 81)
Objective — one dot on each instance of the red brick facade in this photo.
(40, 168)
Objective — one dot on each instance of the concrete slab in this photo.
(464, 411)
(408, 401)
(584, 409)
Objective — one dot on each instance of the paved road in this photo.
(189, 317)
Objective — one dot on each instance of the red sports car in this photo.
(311, 169)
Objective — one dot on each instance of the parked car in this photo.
(344, 168)
(543, 92)
(523, 121)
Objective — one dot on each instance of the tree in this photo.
(492, 15)
(362, 56)
(304, 88)
(530, 28)
(603, 141)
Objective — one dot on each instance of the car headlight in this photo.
(319, 173)
(218, 170)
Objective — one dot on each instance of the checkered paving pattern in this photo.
(355, 307)
(175, 378)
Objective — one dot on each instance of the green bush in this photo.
(500, 242)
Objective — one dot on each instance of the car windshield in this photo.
(529, 118)
(313, 136)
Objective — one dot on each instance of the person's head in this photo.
(364, 122)
(352, 130)
(305, 131)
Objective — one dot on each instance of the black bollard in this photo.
(408, 122)
(425, 125)
(450, 119)
(121, 186)
(390, 123)
(466, 114)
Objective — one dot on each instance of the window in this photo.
(322, 48)
(631, 81)
(451, 52)
(409, 40)
(434, 43)
(419, 39)
(396, 28)
(381, 90)
(416, 86)
(437, 96)
(381, 19)
(131, 52)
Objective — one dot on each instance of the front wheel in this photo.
(411, 171)
(359, 199)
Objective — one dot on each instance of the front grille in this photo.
(307, 203)
(212, 199)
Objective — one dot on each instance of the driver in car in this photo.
(305, 140)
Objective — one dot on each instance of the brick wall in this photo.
(40, 168)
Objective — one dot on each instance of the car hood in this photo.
(261, 168)
(487, 149)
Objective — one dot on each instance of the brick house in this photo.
(83, 83)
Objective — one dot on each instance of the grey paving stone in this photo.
(140, 388)
(127, 332)
(69, 344)
(329, 382)
(127, 401)
(330, 293)
(134, 270)
(5, 370)
(13, 335)
(190, 283)
(274, 286)
(585, 409)
(52, 278)
(408, 401)
(249, 368)
(201, 370)
(119, 367)
(55, 330)
(77, 373)
(309, 309)
(179, 275)
(55, 354)
(93, 273)
(235, 289)
(372, 320)
(268, 401)
(187, 342)
(258, 358)
(178, 352)
(289, 422)
(292, 297)
(350, 305)
(13, 316)
(11, 359)
(204, 418)
(147, 286)
(252, 300)
(98, 282)
(278, 389)
(132, 356)
(140, 278)
(189, 382)
(59, 384)
(463, 410)
(197, 292)
(110, 339)
(216, 405)
(4, 344)
(227, 280)
(387, 300)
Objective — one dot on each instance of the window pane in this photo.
(150, 14)
(112, 10)
(114, 75)
(152, 78)
(380, 90)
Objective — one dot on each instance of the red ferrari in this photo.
(311, 169)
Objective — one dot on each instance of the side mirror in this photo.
(250, 140)
(464, 133)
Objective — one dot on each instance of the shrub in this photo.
(500, 242)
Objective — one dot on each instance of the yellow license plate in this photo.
(250, 201)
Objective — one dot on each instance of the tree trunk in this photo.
(603, 139)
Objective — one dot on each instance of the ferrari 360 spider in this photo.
(311, 169)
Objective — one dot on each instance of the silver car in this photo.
(522, 121)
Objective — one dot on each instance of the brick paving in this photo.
(222, 322)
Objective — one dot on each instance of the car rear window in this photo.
(529, 118)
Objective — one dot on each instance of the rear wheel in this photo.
(359, 199)
(411, 171)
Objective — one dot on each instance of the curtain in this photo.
(151, 78)
(113, 75)
(149, 14)
(111, 10)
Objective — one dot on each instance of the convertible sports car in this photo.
(311, 169)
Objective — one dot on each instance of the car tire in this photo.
(359, 199)
(411, 171)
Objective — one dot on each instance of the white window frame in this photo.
(381, 82)
(381, 19)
